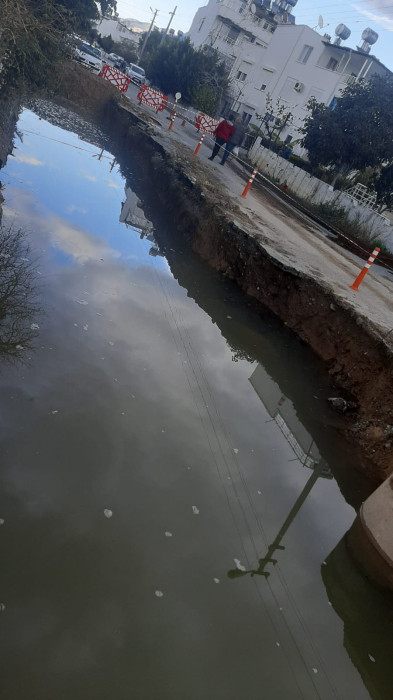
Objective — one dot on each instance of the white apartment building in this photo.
(268, 54)
(114, 27)
(299, 64)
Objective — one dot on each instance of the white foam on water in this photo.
(239, 565)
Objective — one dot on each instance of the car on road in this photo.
(89, 56)
(113, 57)
(136, 73)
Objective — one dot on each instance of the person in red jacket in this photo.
(223, 134)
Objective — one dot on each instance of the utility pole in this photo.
(165, 34)
(155, 13)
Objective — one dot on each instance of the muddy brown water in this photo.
(174, 491)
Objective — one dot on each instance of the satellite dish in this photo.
(178, 96)
(321, 23)
(253, 8)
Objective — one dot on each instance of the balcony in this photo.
(261, 27)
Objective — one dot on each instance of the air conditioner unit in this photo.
(299, 87)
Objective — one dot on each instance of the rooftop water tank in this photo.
(342, 32)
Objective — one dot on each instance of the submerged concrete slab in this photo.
(371, 537)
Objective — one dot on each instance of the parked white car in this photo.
(136, 73)
(89, 56)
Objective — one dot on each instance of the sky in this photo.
(357, 14)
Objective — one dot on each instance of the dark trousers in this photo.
(227, 152)
(217, 146)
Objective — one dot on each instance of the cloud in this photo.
(73, 240)
(380, 12)
(91, 178)
(113, 185)
(28, 160)
(74, 209)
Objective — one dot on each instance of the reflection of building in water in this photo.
(284, 415)
(133, 215)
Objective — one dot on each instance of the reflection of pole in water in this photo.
(276, 544)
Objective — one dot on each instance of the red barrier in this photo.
(116, 77)
(205, 123)
(152, 98)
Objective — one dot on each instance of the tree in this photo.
(34, 36)
(108, 7)
(106, 43)
(357, 131)
(276, 117)
(175, 65)
(383, 185)
(126, 50)
(32, 40)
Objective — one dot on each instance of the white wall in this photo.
(318, 192)
(281, 68)
(119, 32)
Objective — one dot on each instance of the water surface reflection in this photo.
(159, 393)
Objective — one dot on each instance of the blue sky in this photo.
(357, 14)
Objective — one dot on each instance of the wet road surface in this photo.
(172, 521)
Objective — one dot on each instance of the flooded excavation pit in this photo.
(174, 488)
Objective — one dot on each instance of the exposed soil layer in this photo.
(358, 360)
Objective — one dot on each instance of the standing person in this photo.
(235, 140)
(222, 133)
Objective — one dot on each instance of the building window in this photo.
(332, 64)
(305, 53)
(246, 118)
(201, 24)
(241, 76)
(263, 87)
(232, 36)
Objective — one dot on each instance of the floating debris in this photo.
(195, 510)
(216, 580)
(54, 412)
(81, 302)
(159, 594)
(108, 513)
(168, 534)
(19, 347)
(2, 607)
(35, 327)
(239, 565)
(2, 521)
(236, 451)
(259, 493)
(315, 670)
(86, 327)
(278, 644)
(371, 658)
(111, 343)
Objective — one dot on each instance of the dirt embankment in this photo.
(9, 112)
(359, 362)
